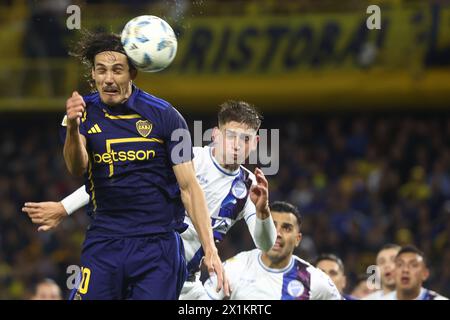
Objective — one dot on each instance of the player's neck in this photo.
(275, 264)
(408, 294)
(388, 289)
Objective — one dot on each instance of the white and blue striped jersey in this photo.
(250, 279)
(227, 198)
(424, 294)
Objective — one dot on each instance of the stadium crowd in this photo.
(360, 182)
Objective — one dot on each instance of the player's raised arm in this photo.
(75, 154)
(262, 228)
(195, 203)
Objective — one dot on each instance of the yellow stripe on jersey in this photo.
(92, 188)
(109, 142)
(83, 118)
(122, 117)
(96, 127)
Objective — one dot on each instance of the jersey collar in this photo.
(272, 270)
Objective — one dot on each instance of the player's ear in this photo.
(215, 134)
(254, 143)
(298, 239)
(93, 73)
(425, 274)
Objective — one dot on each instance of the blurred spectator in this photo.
(385, 263)
(411, 271)
(47, 289)
(361, 289)
(334, 268)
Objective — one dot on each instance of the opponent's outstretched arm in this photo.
(48, 215)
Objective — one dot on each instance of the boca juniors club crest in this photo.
(144, 127)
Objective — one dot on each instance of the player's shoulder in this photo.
(433, 295)
(150, 100)
(92, 105)
(243, 257)
(319, 279)
(91, 98)
(201, 151)
(304, 263)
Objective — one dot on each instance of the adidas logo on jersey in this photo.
(95, 129)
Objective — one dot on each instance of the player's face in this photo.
(288, 236)
(410, 272)
(112, 77)
(386, 262)
(331, 268)
(234, 141)
(361, 290)
(46, 291)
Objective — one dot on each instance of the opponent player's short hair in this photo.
(92, 43)
(330, 257)
(241, 112)
(412, 249)
(47, 281)
(390, 246)
(286, 207)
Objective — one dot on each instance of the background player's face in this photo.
(288, 236)
(386, 262)
(234, 141)
(361, 290)
(47, 291)
(331, 268)
(112, 77)
(410, 271)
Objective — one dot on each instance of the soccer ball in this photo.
(149, 42)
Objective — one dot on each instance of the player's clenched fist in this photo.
(74, 108)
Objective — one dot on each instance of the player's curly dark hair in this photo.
(241, 112)
(92, 43)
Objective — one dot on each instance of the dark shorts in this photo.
(151, 267)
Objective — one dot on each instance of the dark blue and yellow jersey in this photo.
(130, 178)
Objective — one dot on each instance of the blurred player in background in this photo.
(120, 139)
(411, 272)
(385, 262)
(362, 288)
(276, 274)
(333, 266)
(47, 289)
(232, 192)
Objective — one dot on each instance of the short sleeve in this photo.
(323, 288)
(63, 127)
(178, 137)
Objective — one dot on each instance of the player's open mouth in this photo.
(110, 91)
(387, 274)
(405, 280)
(277, 246)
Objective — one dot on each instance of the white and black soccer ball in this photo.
(149, 42)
